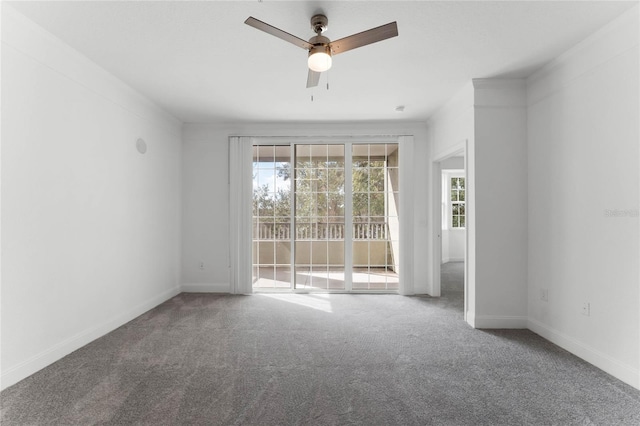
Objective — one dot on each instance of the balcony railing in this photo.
(320, 231)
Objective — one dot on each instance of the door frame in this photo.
(461, 148)
(241, 234)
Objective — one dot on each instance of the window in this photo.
(457, 191)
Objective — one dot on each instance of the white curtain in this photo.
(240, 211)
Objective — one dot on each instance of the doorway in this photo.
(453, 228)
(326, 217)
(450, 228)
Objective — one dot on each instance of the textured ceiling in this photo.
(198, 60)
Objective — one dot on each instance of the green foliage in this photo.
(267, 204)
(319, 193)
(320, 189)
(368, 190)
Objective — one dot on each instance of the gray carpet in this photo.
(202, 359)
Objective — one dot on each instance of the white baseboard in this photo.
(617, 369)
(47, 357)
(500, 321)
(206, 288)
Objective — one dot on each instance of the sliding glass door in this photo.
(272, 229)
(325, 217)
(376, 201)
(319, 216)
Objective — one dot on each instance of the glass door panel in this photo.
(319, 213)
(271, 217)
(374, 182)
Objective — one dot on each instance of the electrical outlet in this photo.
(586, 308)
(544, 294)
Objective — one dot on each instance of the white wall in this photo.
(583, 162)
(488, 118)
(453, 163)
(450, 132)
(90, 227)
(206, 195)
(205, 209)
(453, 245)
(452, 125)
(500, 191)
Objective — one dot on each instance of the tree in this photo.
(320, 192)
(268, 204)
(368, 190)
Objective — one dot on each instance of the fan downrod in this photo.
(319, 23)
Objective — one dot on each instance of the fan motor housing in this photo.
(320, 44)
(320, 48)
(319, 40)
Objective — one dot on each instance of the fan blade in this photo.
(313, 78)
(270, 29)
(373, 35)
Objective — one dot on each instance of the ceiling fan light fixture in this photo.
(320, 48)
(319, 58)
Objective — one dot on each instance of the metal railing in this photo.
(320, 231)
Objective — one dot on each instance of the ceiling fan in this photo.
(320, 48)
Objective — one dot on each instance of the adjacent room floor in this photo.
(319, 359)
